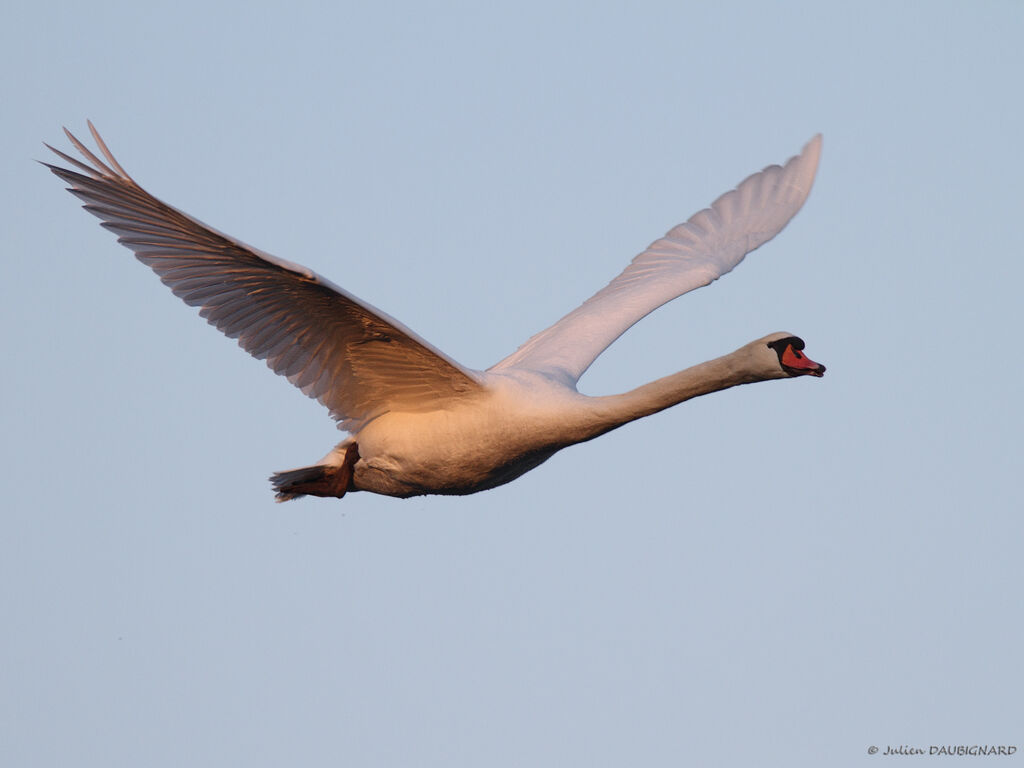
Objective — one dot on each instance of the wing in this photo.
(355, 360)
(691, 255)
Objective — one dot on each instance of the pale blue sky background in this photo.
(783, 574)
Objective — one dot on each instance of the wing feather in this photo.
(353, 358)
(690, 255)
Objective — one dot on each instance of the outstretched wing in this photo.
(691, 255)
(354, 359)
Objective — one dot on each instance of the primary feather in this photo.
(351, 357)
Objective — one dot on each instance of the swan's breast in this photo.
(472, 445)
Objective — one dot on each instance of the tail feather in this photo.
(289, 484)
(318, 480)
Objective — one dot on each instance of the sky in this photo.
(785, 574)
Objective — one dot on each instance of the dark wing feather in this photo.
(354, 359)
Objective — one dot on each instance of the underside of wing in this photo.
(691, 255)
(354, 359)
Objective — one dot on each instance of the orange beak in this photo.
(801, 363)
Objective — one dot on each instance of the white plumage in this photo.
(420, 422)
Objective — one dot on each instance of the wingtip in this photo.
(109, 169)
(43, 162)
(806, 163)
(812, 149)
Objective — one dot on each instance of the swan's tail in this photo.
(318, 480)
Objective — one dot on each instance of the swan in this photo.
(417, 421)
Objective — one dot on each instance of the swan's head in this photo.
(785, 354)
(778, 356)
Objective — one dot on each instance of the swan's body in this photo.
(520, 420)
(420, 422)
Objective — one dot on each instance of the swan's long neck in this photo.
(721, 373)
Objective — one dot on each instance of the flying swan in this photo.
(419, 422)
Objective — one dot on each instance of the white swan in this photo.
(419, 422)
